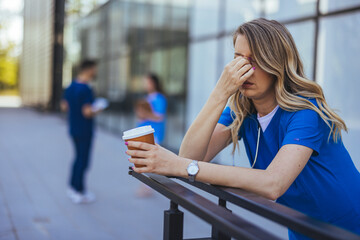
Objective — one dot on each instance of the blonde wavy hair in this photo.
(275, 52)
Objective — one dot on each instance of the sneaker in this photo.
(74, 196)
(79, 198)
(88, 197)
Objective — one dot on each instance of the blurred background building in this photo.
(36, 61)
(187, 42)
(11, 32)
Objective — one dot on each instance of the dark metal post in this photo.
(316, 38)
(215, 233)
(173, 223)
(58, 53)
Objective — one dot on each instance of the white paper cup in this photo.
(140, 134)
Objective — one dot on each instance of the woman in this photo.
(291, 136)
(151, 111)
(154, 110)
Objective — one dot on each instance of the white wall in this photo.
(36, 59)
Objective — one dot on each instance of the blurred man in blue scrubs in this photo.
(77, 101)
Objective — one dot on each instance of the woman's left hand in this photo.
(156, 159)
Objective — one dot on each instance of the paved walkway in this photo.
(35, 157)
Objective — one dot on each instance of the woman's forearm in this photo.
(154, 117)
(258, 181)
(197, 138)
(270, 183)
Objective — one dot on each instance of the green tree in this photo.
(80, 7)
(8, 66)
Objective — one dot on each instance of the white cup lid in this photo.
(137, 132)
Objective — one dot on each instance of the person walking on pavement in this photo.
(77, 101)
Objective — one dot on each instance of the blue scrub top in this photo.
(328, 188)
(158, 105)
(77, 95)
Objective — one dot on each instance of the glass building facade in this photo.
(187, 43)
(130, 39)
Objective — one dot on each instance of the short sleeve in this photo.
(226, 117)
(159, 105)
(87, 96)
(306, 128)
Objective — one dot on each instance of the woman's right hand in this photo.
(234, 75)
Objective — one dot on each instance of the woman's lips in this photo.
(247, 84)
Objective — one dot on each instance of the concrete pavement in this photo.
(35, 158)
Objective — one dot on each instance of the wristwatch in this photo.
(192, 170)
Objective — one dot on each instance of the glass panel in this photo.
(139, 67)
(289, 9)
(333, 5)
(144, 26)
(119, 25)
(228, 50)
(202, 76)
(101, 80)
(239, 11)
(161, 20)
(303, 34)
(91, 37)
(179, 21)
(118, 70)
(160, 65)
(204, 18)
(170, 66)
(115, 19)
(177, 76)
(338, 71)
(123, 77)
(102, 34)
(132, 25)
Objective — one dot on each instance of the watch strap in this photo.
(192, 176)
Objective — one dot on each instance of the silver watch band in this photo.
(192, 176)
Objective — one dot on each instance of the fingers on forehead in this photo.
(239, 61)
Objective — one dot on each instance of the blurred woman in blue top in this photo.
(291, 136)
(155, 114)
(152, 111)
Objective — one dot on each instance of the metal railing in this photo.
(227, 225)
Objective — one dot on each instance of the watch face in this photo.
(192, 170)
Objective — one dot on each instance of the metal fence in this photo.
(227, 225)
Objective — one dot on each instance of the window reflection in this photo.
(332, 5)
(188, 42)
(202, 76)
(338, 72)
(303, 34)
(240, 11)
(282, 10)
(204, 18)
(338, 66)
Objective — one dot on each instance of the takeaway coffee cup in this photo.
(140, 134)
